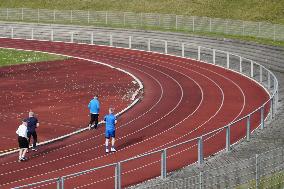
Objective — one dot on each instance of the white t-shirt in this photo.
(22, 131)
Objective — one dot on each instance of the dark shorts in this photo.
(23, 142)
(110, 134)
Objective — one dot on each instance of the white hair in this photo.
(31, 114)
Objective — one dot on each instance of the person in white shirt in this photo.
(23, 140)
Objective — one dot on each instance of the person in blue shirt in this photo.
(110, 121)
(94, 107)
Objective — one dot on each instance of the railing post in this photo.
(193, 29)
(248, 127)
(54, 16)
(251, 69)
(274, 32)
(200, 180)
(260, 74)
(176, 22)
(7, 14)
(182, 49)
(268, 80)
(214, 56)
(22, 14)
(118, 176)
(210, 24)
(62, 182)
(149, 45)
(241, 64)
(106, 18)
(200, 151)
(262, 117)
(51, 34)
(199, 49)
(130, 42)
(71, 16)
(226, 27)
(88, 17)
(12, 32)
(92, 38)
(72, 37)
(256, 172)
(141, 19)
(271, 107)
(37, 15)
(110, 40)
(166, 47)
(228, 60)
(258, 34)
(32, 35)
(243, 28)
(228, 144)
(124, 19)
(58, 182)
(164, 164)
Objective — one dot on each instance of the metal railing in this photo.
(263, 170)
(246, 67)
(147, 20)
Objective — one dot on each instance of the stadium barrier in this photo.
(169, 22)
(264, 170)
(227, 60)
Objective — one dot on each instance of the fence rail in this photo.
(146, 20)
(264, 170)
(246, 67)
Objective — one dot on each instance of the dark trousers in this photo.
(94, 118)
(30, 134)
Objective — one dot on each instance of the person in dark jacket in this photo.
(32, 124)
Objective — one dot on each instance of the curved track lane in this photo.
(182, 100)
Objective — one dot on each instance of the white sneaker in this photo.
(107, 150)
(113, 150)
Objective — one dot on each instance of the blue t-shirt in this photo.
(110, 122)
(31, 124)
(94, 106)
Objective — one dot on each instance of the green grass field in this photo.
(255, 10)
(275, 181)
(11, 57)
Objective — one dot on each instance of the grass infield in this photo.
(11, 57)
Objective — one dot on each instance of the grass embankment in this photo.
(253, 10)
(11, 57)
(275, 181)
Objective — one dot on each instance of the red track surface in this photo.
(182, 100)
(58, 92)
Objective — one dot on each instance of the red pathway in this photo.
(182, 99)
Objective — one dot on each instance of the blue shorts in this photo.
(110, 133)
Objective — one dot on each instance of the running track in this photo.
(182, 99)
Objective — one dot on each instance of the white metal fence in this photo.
(224, 59)
(265, 170)
(147, 20)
